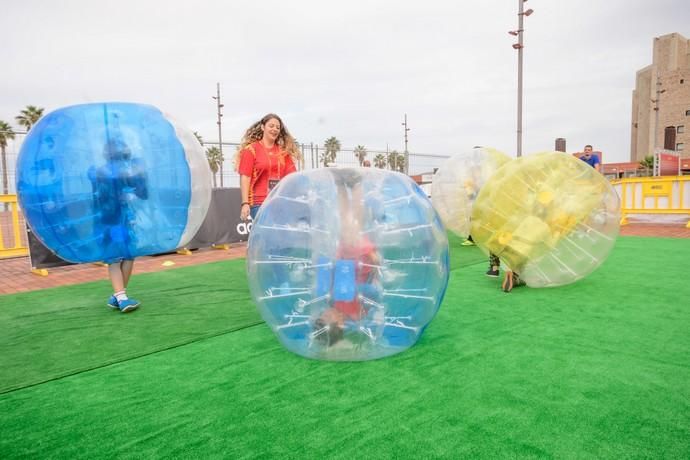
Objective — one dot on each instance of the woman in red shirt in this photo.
(267, 154)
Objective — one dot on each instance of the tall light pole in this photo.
(519, 33)
(220, 131)
(659, 92)
(407, 154)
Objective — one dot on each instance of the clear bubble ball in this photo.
(347, 264)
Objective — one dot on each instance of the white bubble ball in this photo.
(457, 182)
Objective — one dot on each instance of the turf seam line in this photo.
(468, 265)
(118, 361)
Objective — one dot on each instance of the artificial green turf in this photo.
(597, 369)
(462, 256)
(57, 332)
(62, 331)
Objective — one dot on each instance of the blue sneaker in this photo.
(112, 303)
(128, 305)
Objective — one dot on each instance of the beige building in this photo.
(661, 100)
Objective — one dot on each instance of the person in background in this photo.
(590, 158)
(267, 154)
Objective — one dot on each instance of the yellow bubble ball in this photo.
(549, 216)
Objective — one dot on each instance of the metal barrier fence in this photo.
(313, 158)
(13, 241)
(665, 198)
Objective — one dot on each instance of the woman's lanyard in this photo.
(272, 182)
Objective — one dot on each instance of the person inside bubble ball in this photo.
(511, 279)
(525, 239)
(117, 185)
(266, 154)
(356, 250)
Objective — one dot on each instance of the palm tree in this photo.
(199, 138)
(215, 159)
(396, 161)
(648, 164)
(29, 116)
(361, 153)
(6, 134)
(400, 163)
(331, 149)
(380, 161)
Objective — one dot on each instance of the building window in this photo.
(687, 113)
(682, 81)
(680, 129)
(679, 147)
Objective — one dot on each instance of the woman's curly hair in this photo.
(255, 133)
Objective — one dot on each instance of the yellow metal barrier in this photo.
(666, 195)
(17, 249)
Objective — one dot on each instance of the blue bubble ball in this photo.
(347, 264)
(112, 181)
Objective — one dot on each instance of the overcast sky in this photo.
(349, 69)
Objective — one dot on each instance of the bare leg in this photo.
(127, 266)
(511, 280)
(119, 273)
(507, 285)
(116, 277)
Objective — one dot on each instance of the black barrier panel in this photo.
(40, 256)
(222, 225)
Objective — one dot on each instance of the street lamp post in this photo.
(659, 92)
(407, 154)
(220, 131)
(519, 47)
